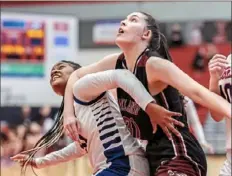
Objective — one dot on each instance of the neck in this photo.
(131, 54)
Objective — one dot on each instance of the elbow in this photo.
(216, 117)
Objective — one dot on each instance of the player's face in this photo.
(132, 29)
(59, 77)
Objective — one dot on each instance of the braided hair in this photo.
(53, 135)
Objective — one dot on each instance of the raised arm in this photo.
(163, 70)
(70, 123)
(216, 67)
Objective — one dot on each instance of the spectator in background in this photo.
(45, 120)
(25, 118)
(220, 36)
(195, 35)
(202, 57)
(176, 38)
(10, 143)
(229, 31)
(26, 115)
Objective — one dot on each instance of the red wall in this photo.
(183, 58)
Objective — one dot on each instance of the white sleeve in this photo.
(72, 151)
(92, 85)
(194, 121)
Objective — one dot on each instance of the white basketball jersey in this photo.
(226, 92)
(103, 129)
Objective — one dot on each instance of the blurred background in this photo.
(36, 35)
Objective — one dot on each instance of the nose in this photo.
(123, 23)
(53, 72)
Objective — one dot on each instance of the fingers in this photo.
(176, 122)
(167, 133)
(70, 133)
(71, 129)
(219, 65)
(171, 114)
(172, 129)
(218, 56)
(18, 156)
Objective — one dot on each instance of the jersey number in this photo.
(226, 92)
(133, 127)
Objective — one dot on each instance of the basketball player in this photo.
(102, 131)
(220, 83)
(145, 54)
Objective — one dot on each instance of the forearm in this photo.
(68, 98)
(213, 87)
(92, 85)
(72, 151)
(213, 102)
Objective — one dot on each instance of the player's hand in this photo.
(71, 127)
(216, 66)
(21, 159)
(162, 117)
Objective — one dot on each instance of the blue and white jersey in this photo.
(106, 134)
(103, 134)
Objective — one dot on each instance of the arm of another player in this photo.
(159, 69)
(70, 122)
(216, 66)
(72, 151)
(91, 86)
(196, 125)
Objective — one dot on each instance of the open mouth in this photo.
(120, 31)
(55, 76)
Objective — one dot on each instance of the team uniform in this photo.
(226, 92)
(183, 155)
(103, 134)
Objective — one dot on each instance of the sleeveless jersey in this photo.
(160, 149)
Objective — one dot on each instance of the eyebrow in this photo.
(57, 65)
(134, 16)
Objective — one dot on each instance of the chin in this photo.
(58, 89)
(122, 41)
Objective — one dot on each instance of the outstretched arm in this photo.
(72, 151)
(163, 70)
(91, 86)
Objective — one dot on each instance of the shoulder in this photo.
(113, 56)
(155, 61)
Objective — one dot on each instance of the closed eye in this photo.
(61, 67)
(133, 20)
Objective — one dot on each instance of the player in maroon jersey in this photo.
(145, 53)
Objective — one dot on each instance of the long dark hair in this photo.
(54, 134)
(158, 42)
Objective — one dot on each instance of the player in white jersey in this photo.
(101, 129)
(220, 83)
